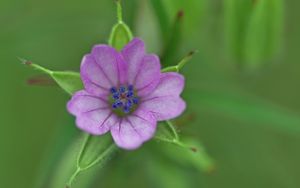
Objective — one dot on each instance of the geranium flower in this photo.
(125, 93)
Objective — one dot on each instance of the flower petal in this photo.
(170, 84)
(93, 77)
(164, 108)
(96, 122)
(132, 131)
(164, 102)
(103, 69)
(148, 76)
(93, 115)
(82, 102)
(133, 54)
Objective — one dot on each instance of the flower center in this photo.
(124, 99)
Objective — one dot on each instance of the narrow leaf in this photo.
(162, 18)
(171, 46)
(263, 33)
(247, 108)
(237, 14)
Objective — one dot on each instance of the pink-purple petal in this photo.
(82, 102)
(170, 84)
(111, 64)
(132, 131)
(96, 122)
(93, 77)
(165, 107)
(165, 102)
(133, 53)
(148, 75)
(93, 114)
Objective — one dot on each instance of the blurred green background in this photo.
(242, 88)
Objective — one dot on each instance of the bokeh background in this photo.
(242, 89)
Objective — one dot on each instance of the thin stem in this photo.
(170, 69)
(119, 11)
(79, 156)
(170, 124)
(73, 177)
(180, 65)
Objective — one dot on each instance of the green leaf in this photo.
(247, 108)
(67, 80)
(171, 46)
(120, 34)
(264, 32)
(162, 17)
(96, 150)
(237, 14)
(190, 153)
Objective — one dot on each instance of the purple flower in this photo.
(125, 93)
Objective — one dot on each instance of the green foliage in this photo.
(247, 108)
(237, 14)
(262, 39)
(252, 30)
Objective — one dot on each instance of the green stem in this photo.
(171, 126)
(119, 11)
(73, 177)
(86, 138)
(180, 65)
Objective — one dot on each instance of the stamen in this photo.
(124, 98)
(122, 89)
(116, 95)
(113, 90)
(130, 87)
(135, 100)
(130, 94)
(126, 109)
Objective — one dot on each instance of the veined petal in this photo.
(96, 122)
(133, 54)
(82, 102)
(170, 84)
(132, 131)
(93, 115)
(164, 102)
(95, 80)
(165, 107)
(148, 75)
(103, 69)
